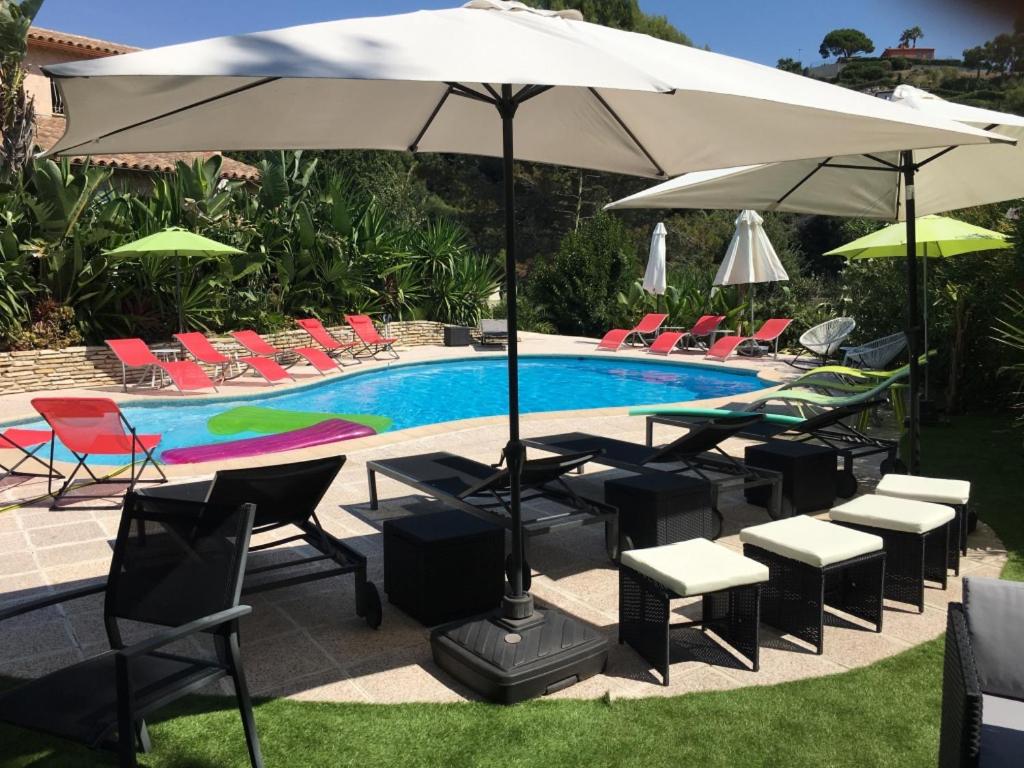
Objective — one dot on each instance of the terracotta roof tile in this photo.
(50, 128)
(79, 42)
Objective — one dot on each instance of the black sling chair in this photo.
(177, 566)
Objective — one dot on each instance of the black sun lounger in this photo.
(828, 428)
(286, 497)
(482, 489)
(698, 452)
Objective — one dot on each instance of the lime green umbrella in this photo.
(178, 243)
(937, 237)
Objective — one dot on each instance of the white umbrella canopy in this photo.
(654, 276)
(491, 78)
(863, 186)
(622, 102)
(750, 258)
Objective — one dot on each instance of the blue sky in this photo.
(762, 31)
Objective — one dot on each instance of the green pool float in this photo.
(273, 421)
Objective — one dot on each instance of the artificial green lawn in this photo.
(882, 715)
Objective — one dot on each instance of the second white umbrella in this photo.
(750, 258)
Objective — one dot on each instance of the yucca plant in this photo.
(1009, 331)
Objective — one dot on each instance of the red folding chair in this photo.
(186, 375)
(95, 426)
(703, 330)
(366, 332)
(319, 334)
(725, 346)
(666, 343)
(260, 347)
(770, 332)
(202, 350)
(647, 327)
(28, 442)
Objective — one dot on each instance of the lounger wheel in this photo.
(892, 465)
(716, 524)
(373, 613)
(611, 542)
(527, 574)
(846, 484)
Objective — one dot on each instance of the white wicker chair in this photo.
(824, 340)
(875, 354)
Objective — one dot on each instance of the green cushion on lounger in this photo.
(711, 413)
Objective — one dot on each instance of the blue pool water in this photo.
(413, 395)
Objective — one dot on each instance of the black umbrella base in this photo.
(508, 662)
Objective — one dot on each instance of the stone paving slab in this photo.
(305, 641)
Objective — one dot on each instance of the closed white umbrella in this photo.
(750, 258)
(654, 276)
(491, 78)
(870, 185)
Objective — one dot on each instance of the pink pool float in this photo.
(329, 431)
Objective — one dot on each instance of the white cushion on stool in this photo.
(893, 514)
(695, 567)
(937, 489)
(811, 541)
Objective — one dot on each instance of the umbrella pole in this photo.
(924, 295)
(751, 331)
(912, 313)
(518, 604)
(177, 292)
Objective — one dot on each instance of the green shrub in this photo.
(579, 285)
(53, 327)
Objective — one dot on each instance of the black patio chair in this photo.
(177, 566)
(286, 496)
(982, 680)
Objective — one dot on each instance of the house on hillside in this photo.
(919, 54)
(47, 46)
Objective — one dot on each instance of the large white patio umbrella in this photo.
(655, 274)
(491, 78)
(750, 258)
(894, 186)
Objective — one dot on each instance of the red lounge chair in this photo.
(27, 442)
(95, 426)
(323, 337)
(186, 375)
(649, 326)
(202, 350)
(260, 347)
(666, 342)
(703, 330)
(364, 329)
(770, 332)
(725, 346)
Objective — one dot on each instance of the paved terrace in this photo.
(306, 642)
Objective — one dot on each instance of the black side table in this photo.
(444, 565)
(808, 475)
(659, 508)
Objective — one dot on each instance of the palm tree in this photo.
(910, 36)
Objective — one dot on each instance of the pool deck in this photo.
(306, 642)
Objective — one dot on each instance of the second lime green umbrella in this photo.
(178, 243)
(937, 237)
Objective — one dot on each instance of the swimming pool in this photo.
(429, 393)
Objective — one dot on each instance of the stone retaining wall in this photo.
(49, 369)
